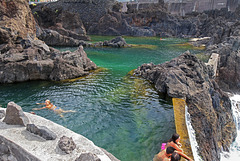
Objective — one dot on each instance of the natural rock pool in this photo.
(120, 113)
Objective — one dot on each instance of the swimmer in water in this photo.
(50, 106)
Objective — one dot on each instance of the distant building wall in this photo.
(42, 0)
(182, 7)
(186, 6)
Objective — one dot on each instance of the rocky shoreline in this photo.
(24, 57)
(189, 78)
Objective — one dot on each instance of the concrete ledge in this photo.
(181, 127)
(213, 62)
(47, 150)
(16, 151)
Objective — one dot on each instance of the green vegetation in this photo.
(203, 57)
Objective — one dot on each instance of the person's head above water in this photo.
(47, 101)
(175, 138)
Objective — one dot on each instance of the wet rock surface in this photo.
(210, 109)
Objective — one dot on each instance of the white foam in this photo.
(191, 134)
(234, 153)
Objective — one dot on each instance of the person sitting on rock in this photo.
(164, 155)
(174, 142)
(50, 106)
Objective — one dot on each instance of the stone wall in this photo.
(184, 7)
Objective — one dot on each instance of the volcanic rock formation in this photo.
(210, 109)
(23, 57)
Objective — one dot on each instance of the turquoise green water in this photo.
(122, 114)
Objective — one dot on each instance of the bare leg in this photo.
(68, 111)
(62, 111)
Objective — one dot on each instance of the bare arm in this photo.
(176, 146)
(38, 108)
(40, 103)
(184, 155)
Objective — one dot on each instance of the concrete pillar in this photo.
(213, 62)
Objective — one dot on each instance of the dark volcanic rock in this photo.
(66, 144)
(88, 157)
(114, 24)
(90, 11)
(228, 76)
(16, 21)
(53, 38)
(67, 25)
(15, 115)
(2, 114)
(42, 131)
(102, 17)
(210, 109)
(23, 57)
(37, 63)
(118, 42)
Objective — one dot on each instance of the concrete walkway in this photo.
(48, 150)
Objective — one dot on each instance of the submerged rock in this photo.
(210, 109)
